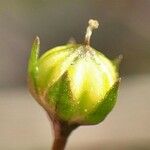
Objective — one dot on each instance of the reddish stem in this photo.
(62, 131)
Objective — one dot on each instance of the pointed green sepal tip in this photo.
(104, 107)
(117, 61)
(34, 55)
(32, 65)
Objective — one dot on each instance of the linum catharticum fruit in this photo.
(74, 83)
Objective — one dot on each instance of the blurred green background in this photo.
(124, 29)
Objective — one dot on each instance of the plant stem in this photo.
(62, 130)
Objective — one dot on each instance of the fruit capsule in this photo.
(74, 82)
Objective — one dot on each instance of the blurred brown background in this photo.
(124, 29)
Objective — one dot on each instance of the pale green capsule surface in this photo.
(74, 82)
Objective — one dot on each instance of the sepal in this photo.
(32, 66)
(117, 61)
(104, 107)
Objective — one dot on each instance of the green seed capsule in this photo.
(74, 83)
